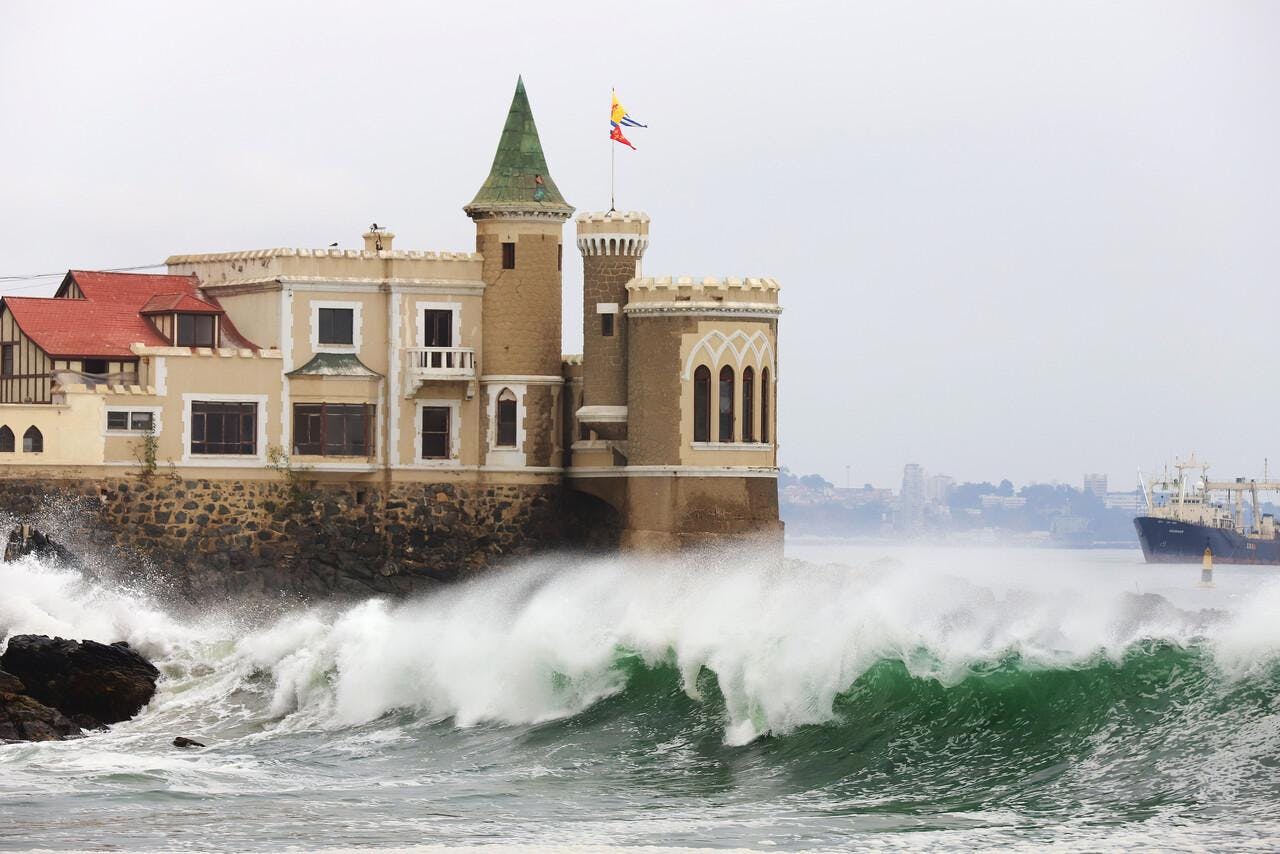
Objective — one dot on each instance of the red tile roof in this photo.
(109, 319)
(185, 303)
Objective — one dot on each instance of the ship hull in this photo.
(1171, 541)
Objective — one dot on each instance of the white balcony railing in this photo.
(440, 363)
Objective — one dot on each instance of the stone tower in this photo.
(676, 421)
(612, 245)
(519, 215)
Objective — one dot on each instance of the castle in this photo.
(437, 375)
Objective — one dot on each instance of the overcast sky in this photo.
(1021, 240)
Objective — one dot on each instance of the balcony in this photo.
(433, 364)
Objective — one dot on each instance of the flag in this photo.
(618, 115)
(618, 119)
(616, 136)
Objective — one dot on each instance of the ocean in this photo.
(859, 696)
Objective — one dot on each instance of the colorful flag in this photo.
(618, 115)
(618, 119)
(616, 136)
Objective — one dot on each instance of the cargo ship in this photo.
(1188, 513)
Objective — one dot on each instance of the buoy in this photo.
(1206, 568)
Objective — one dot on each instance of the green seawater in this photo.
(938, 699)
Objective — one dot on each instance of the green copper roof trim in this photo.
(519, 179)
(335, 365)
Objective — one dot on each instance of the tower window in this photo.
(748, 404)
(764, 405)
(95, 366)
(559, 256)
(32, 440)
(702, 404)
(6, 360)
(6, 440)
(606, 325)
(508, 256)
(506, 416)
(336, 326)
(726, 404)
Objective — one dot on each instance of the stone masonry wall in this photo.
(211, 540)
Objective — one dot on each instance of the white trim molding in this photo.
(731, 446)
(356, 337)
(715, 344)
(606, 308)
(522, 379)
(454, 460)
(224, 460)
(602, 414)
(672, 471)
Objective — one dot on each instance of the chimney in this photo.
(377, 238)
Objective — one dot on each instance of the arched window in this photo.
(6, 440)
(764, 405)
(32, 441)
(506, 415)
(726, 404)
(702, 404)
(748, 404)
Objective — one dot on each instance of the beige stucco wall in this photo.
(72, 431)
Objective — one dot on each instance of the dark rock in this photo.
(26, 540)
(183, 741)
(88, 681)
(25, 719)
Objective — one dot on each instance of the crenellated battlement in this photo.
(613, 233)
(355, 265)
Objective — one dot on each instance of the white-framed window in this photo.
(437, 437)
(132, 420)
(224, 429)
(335, 326)
(506, 440)
(438, 324)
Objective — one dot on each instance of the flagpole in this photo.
(612, 155)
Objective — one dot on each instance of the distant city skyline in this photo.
(1014, 240)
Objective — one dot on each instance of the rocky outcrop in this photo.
(25, 540)
(25, 719)
(90, 683)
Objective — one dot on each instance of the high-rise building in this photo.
(938, 488)
(1097, 484)
(912, 499)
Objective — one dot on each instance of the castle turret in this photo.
(612, 245)
(519, 215)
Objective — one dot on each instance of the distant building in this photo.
(911, 515)
(1096, 484)
(1130, 502)
(938, 488)
(1003, 502)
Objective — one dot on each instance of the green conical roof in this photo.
(518, 167)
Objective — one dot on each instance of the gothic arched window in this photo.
(506, 416)
(702, 404)
(32, 440)
(6, 440)
(748, 404)
(726, 404)
(764, 405)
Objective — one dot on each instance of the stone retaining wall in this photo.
(232, 539)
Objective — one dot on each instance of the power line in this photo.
(43, 280)
(61, 273)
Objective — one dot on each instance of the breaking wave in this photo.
(880, 684)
